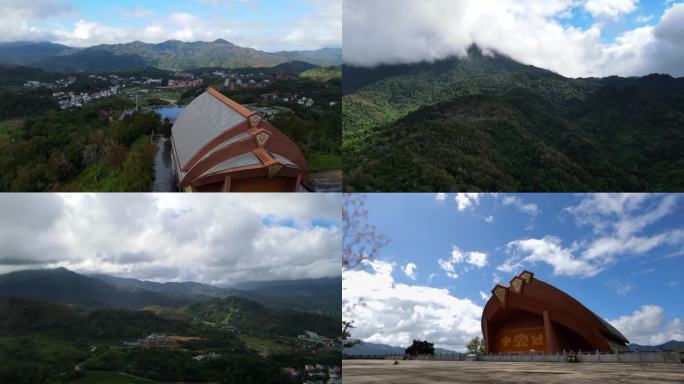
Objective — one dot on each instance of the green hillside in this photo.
(489, 123)
(253, 318)
(323, 74)
(170, 55)
(64, 286)
(44, 342)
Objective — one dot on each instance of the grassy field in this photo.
(146, 94)
(110, 378)
(320, 162)
(259, 344)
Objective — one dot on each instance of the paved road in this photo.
(419, 372)
(164, 181)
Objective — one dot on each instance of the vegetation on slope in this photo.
(323, 74)
(81, 150)
(253, 318)
(488, 123)
(171, 55)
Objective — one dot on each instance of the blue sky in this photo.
(264, 24)
(643, 13)
(620, 255)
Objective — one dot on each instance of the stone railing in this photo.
(659, 356)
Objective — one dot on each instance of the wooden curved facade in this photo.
(221, 146)
(532, 316)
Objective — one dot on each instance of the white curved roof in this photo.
(201, 121)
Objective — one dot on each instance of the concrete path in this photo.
(418, 372)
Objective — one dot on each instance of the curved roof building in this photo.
(532, 316)
(221, 146)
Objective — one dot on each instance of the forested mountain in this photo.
(170, 55)
(104, 291)
(64, 286)
(487, 122)
(319, 295)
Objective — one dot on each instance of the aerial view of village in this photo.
(92, 109)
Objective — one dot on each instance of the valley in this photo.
(78, 328)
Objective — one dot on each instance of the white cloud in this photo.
(619, 218)
(610, 8)
(211, 239)
(321, 27)
(391, 313)
(527, 208)
(644, 19)
(645, 326)
(485, 296)
(410, 270)
(548, 250)
(489, 219)
(448, 267)
(527, 30)
(621, 287)
(440, 196)
(17, 18)
(477, 259)
(465, 200)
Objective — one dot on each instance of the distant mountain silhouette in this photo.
(103, 291)
(366, 348)
(169, 55)
(63, 286)
(670, 345)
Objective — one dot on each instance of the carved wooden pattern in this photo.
(254, 121)
(516, 285)
(262, 138)
(526, 276)
(500, 293)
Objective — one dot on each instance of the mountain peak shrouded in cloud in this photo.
(574, 38)
(268, 26)
(219, 239)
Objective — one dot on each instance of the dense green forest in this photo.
(316, 130)
(490, 123)
(258, 319)
(84, 149)
(43, 342)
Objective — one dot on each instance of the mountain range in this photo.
(667, 346)
(366, 348)
(488, 122)
(104, 291)
(169, 55)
